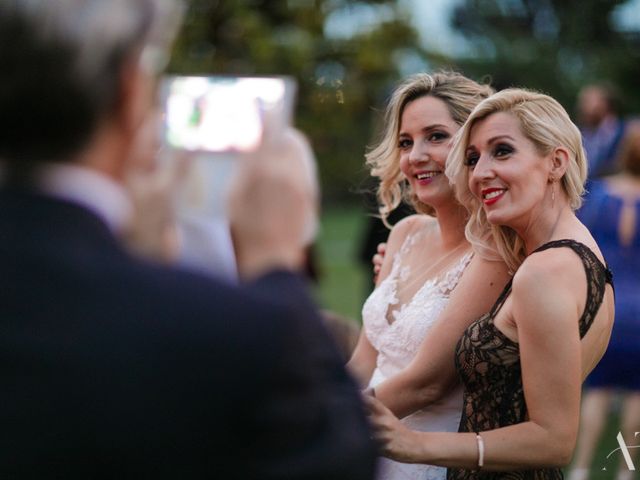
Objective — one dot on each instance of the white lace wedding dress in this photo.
(397, 343)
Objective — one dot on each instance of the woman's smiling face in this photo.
(508, 173)
(424, 142)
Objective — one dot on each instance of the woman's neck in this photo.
(545, 226)
(452, 220)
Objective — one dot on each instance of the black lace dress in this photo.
(488, 363)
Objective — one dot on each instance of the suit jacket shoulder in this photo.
(117, 368)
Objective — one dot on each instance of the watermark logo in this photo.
(624, 448)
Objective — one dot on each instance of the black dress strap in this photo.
(501, 299)
(598, 275)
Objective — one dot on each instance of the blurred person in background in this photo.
(601, 126)
(114, 367)
(157, 176)
(431, 285)
(613, 217)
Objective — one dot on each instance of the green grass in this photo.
(343, 280)
(604, 468)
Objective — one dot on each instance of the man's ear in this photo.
(559, 163)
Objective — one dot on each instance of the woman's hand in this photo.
(377, 260)
(394, 439)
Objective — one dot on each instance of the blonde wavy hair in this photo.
(459, 93)
(545, 123)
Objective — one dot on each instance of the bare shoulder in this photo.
(549, 288)
(483, 276)
(396, 240)
(405, 227)
(478, 289)
(551, 267)
(486, 268)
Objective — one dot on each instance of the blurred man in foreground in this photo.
(116, 368)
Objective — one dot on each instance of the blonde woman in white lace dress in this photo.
(431, 285)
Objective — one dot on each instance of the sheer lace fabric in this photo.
(488, 363)
(397, 316)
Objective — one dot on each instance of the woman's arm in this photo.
(550, 356)
(364, 357)
(363, 360)
(432, 373)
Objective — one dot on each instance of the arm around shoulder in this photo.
(432, 374)
(549, 346)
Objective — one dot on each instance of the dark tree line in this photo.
(551, 45)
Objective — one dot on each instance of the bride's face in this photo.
(424, 142)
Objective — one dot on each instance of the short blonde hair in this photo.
(459, 93)
(546, 123)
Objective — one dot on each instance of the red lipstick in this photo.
(493, 198)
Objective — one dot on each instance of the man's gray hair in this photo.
(76, 49)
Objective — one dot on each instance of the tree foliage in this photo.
(340, 77)
(556, 46)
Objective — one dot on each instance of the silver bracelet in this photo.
(480, 450)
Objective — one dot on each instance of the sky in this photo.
(627, 17)
(430, 17)
(432, 20)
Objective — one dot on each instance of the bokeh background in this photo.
(348, 55)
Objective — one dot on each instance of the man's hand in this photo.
(272, 204)
(152, 185)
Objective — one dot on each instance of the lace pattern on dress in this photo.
(488, 363)
(398, 341)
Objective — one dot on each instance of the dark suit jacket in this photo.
(115, 368)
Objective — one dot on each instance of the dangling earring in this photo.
(553, 192)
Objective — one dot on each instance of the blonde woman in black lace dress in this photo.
(519, 167)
